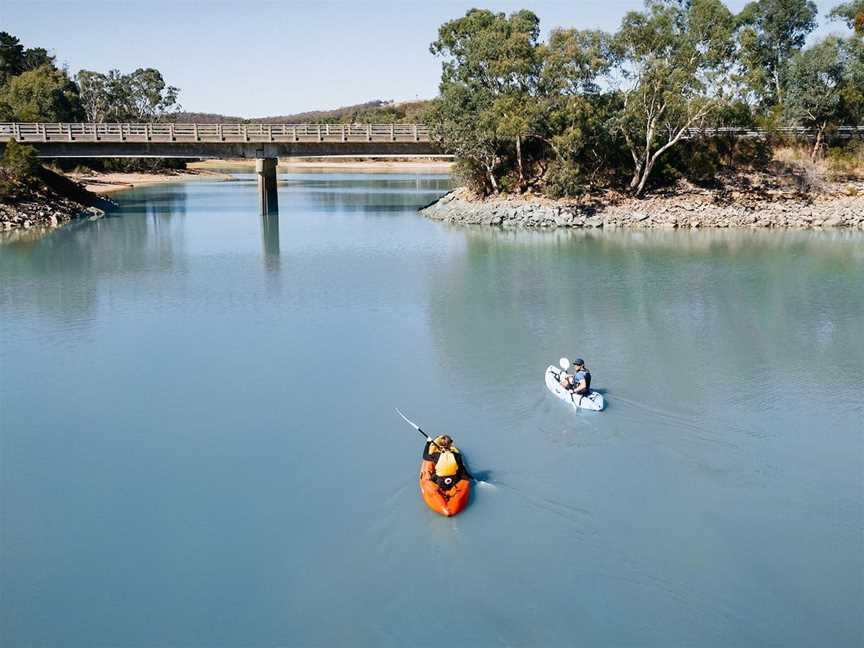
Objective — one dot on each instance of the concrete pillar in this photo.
(268, 200)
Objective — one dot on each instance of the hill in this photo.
(371, 111)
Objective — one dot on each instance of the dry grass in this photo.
(846, 163)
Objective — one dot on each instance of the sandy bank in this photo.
(382, 164)
(104, 183)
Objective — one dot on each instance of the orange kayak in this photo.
(446, 502)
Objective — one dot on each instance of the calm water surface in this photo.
(198, 445)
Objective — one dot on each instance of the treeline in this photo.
(586, 109)
(366, 113)
(34, 89)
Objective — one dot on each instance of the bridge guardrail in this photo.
(213, 133)
(260, 133)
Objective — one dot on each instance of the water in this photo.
(199, 446)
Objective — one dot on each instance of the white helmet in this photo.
(564, 363)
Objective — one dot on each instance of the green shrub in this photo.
(19, 161)
(472, 175)
(563, 179)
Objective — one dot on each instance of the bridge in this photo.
(267, 142)
(264, 143)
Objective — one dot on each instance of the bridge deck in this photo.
(166, 140)
(213, 133)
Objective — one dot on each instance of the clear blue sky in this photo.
(263, 58)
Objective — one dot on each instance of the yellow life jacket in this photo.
(446, 466)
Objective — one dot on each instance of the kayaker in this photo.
(449, 468)
(579, 382)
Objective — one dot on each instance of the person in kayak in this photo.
(579, 382)
(449, 468)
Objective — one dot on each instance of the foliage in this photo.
(852, 13)
(825, 85)
(563, 178)
(674, 61)
(589, 109)
(771, 31)
(18, 167)
(140, 96)
(42, 94)
(15, 60)
(488, 105)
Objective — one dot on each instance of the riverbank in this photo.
(838, 205)
(49, 200)
(380, 164)
(101, 183)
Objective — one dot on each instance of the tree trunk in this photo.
(637, 174)
(644, 178)
(818, 144)
(519, 162)
(492, 181)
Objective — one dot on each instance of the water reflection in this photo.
(367, 194)
(270, 241)
(59, 273)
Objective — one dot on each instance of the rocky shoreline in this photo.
(54, 201)
(689, 209)
(40, 211)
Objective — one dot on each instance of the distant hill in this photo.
(378, 111)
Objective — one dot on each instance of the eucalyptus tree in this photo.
(575, 108)
(815, 82)
(673, 64)
(852, 13)
(770, 33)
(141, 95)
(488, 90)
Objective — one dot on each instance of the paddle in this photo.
(429, 439)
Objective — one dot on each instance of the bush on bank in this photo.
(18, 168)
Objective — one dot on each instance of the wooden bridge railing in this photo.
(215, 133)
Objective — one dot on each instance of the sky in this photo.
(260, 58)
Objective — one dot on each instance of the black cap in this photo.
(579, 362)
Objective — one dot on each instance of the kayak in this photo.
(592, 401)
(445, 502)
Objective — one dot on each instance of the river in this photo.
(198, 444)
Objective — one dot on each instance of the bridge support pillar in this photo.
(268, 200)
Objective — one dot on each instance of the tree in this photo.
(489, 84)
(852, 13)
(575, 111)
(771, 31)
(150, 97)
(37, 57)
(673, 62)
(139, 96)
(11, 57)
(44, 94)
(815, 82)
(95, 98)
